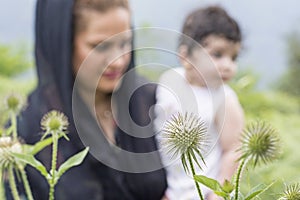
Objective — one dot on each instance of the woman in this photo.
(66, 33)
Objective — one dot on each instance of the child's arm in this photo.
(230, 122)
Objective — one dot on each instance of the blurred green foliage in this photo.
(8, 86)
(282, 110)
(260, 103)
(290, 81)
(14, 60)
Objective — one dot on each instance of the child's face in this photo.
(220, 66)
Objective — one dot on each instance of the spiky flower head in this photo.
(292, 192)
(260, 143)
(185, 136)
(7, 147)
(54, 122)
(14, 103)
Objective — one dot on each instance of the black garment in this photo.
(92, 179)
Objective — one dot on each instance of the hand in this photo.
(165, 198)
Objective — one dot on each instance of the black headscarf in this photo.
(92, 179)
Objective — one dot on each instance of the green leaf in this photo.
(257, 190)
(221, 194)
(31, 160)
(64, 135)
(72, 162)
(208, 182)
(37, 147)
(227, 187)
(212, 184)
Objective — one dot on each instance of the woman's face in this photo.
(100, 52)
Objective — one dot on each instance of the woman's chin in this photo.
(109, 88)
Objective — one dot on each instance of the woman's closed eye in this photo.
(102, 47)
(107, 46)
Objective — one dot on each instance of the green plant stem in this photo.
(238, 178)
(12, 183)
(14, 126)
(26, 184)
(193, 173)
(2, 191)
(53, 165)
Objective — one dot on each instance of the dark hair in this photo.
(210, 20)
(81, 6)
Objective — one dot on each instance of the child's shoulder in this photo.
(229, 92)
(172, 74)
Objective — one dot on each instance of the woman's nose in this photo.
(119, 62)
(118, 57)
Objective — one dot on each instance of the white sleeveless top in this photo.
(175, 94)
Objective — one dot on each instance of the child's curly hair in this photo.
(206, 21)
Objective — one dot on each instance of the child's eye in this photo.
(234, 57)
(216, 54)
(125, 44)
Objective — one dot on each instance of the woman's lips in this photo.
(112, 74)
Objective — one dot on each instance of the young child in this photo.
(208, 49)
